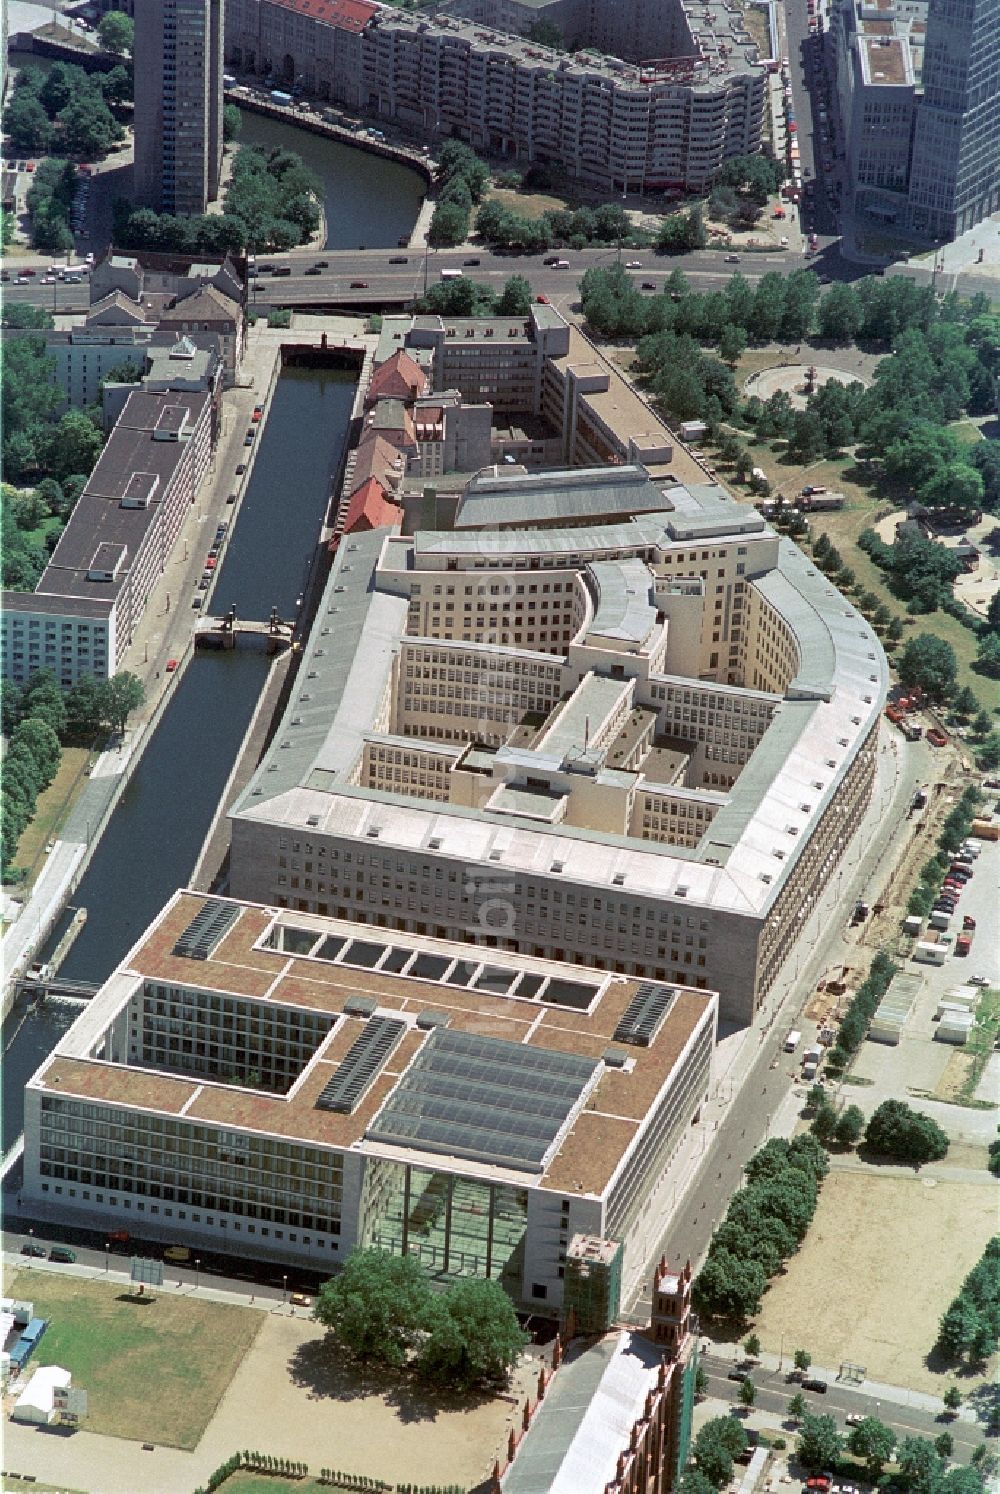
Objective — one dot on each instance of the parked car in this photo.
(299, 1299)
(399, 259)
(241, 467)
(312, 270)
(32, 1248)
(247, 441)
(737, 1374)
(978, 980)
(322, 264)
(854, 1418)
(171, 665)
(819, 1386)
(475, 260)
(63, 1254)
(649, 285)
(732, 259)
(633, 264)
(197, 601)
(359, 285)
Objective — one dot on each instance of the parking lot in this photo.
(921, 1069)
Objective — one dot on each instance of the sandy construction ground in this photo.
(289, 1398)
(882, 1260)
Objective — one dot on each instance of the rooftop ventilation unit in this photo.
(361, 1065)
(644, 1015)
(207, 929)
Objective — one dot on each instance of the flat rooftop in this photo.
(463, 1011)
(887, 60)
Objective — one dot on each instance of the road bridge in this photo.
(225, 632)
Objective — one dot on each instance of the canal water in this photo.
(152, 841)
(368, 200)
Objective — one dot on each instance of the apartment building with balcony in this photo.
(693, 97)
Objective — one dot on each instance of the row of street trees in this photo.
(971, 1325)
(765, 1224)
(37, 720)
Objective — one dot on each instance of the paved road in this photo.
(386, 283)
(775, 1389)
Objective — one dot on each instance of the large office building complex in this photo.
(606, 719)
(919, 91)
(689, 95)
(955, 177)
(178, 124)
(279, 1084)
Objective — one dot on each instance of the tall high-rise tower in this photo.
(178, 98)
(955, 164)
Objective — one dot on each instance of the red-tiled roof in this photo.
(370, 508)
(399, 377)
(348, 15)
(377, 458)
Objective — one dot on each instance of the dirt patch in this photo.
(883, 1236)
(953, 1080)
(293, 1396)
(528, 204)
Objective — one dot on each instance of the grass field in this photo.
(843, 528)
(883, 1258)
(53, 807)
(261, 1483)
(527, 204)
(154, 1371)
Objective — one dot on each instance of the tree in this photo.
(43, 745)
(474, 1338)
(43, 700)
(840, 314)
(748, 1392)
(448, 226)
(952, 1398)
(232, 122)
(26, 125)
(751, 1346)
(693, 1481)
(728, 1287)
(732, 344)
(719, 1441)
(944, 1445)
(819, 1443)
(965, 703)
(930, 663)
(85, 710)
(88, 127)
(22, 314)
(122, 694)
(802, 1359)
(377, 1306)
(988, 656)
(515, 298)
(116, 32)
(701, 1380)
(797, 1406)
(10, 705)
(73, 445)
(825, 1121)
(897, 1131)
(919, 1465)
(850, 1125)
(117, 86)
(872, 1440)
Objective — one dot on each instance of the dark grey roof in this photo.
(484, 1098)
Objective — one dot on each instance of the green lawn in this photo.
(843, 527)
(262, 1483)
(154, 1371)
(52, 810)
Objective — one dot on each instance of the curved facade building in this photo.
(638, 746)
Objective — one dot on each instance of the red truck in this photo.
(963, 944)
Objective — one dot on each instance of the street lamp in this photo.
(197, 1273)
(107, 1247)
(284, 1288)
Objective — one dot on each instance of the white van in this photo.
(451, 274)
(792, 1041)
(561, 264)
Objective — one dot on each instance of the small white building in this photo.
(37, 1402)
